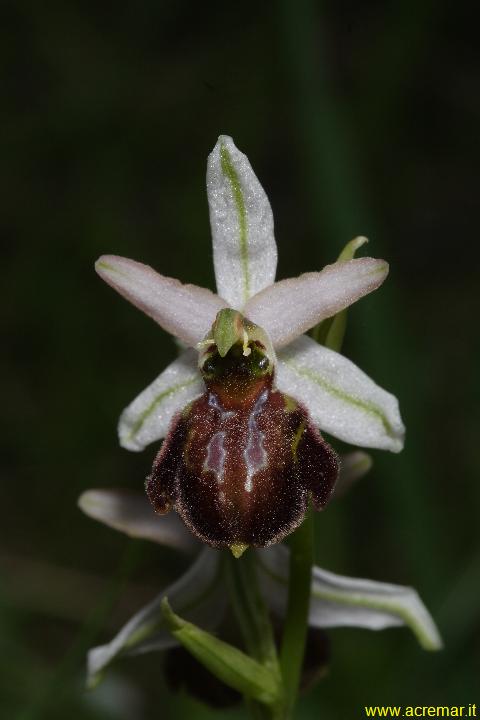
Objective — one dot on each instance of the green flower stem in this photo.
(296, 621)
(250, 608)
(254, 621)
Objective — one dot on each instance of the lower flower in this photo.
(200, 594)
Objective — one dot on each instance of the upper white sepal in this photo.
(244, 248)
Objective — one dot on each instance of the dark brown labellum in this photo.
(242, 461)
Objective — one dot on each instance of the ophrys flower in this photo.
(243, 453)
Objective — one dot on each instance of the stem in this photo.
(254, 621)
(250, 609)
(296, 621)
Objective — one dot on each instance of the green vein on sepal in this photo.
(392, 607)
(356, 402)
(137, 426)
(231, 174)
(110, 268)
(388, 606)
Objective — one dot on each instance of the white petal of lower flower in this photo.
(340, 398)
(186, 311)
(148, 417)
(338, 601)
(197, 595)
(131, 513)
(244, 249)
(291, 307)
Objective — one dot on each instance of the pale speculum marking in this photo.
(254, 454)
(216, 454)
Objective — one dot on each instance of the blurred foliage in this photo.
(359, 118)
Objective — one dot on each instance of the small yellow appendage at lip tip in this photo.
(237, 549)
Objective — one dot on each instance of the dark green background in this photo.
(359, 118)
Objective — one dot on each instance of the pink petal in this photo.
(291, 307)
(186, 311)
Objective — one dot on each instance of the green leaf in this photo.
(226, 662)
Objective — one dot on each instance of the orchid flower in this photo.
(200, 595)
(240, 412)
(251, 388)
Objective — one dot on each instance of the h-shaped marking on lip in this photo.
(254, 454)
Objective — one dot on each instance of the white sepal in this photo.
(338, 601)
(197, 595)
(131, 513)
(339, 396)
(148, 417)
(244, 248)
